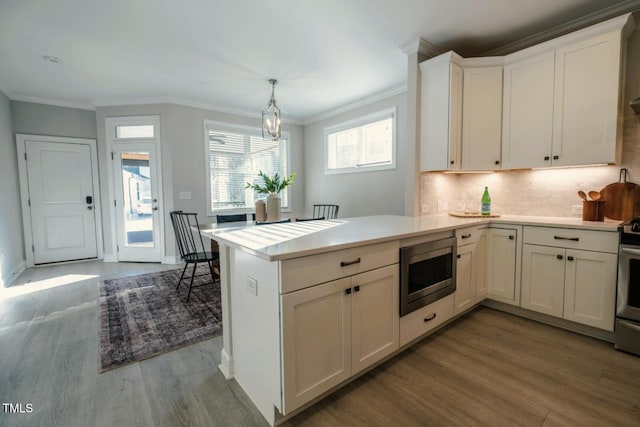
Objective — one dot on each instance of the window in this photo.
(235, 156)
(134, 131)
(364, 144)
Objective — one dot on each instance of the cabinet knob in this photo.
(452, 162)
(356, 288)
(497, 162)
(511, 237)
(559, 256)
(546, 158)
(556, 157)
(570, 258)
(458, 256)
(347, 291)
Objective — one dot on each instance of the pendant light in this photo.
(271, 116)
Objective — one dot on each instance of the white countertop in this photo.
(292, 240)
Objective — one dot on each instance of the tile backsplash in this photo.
(549, 192)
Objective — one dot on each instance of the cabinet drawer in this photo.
(311, 270)
(417, 323)
(467, 235)
(590, 240)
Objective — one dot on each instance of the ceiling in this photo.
(219, 54)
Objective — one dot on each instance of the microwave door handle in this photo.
(630, 251)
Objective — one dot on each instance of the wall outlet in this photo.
(252, 286)
(576, 210)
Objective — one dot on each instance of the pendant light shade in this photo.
(271, 123)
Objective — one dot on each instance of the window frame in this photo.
(245, 130)
(357, 122)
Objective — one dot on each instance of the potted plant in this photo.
(272, 187)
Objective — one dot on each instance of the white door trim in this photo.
(110, 130)
(21, 140)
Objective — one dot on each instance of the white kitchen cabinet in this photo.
(481, 118)
(504, 254)
(527, 128)
(543, 279)
(441, 112)
(334, 330)
(562, 99)
(570, 274)
(586, 129)
(470, 268)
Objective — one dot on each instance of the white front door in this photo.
(135, 172)
(62, 201)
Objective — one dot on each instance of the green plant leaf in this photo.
(272, 185)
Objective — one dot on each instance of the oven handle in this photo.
(630, 251)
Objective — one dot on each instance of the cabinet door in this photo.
(502, 265)
(590, 288)
(375, 316)
(465, 286)
(543, 279)
(585, 125)
(481, 118)
(440, 114)
(316, 344)
(528, 112)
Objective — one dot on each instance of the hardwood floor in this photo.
(487, 368)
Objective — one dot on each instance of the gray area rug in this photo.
(143, 316)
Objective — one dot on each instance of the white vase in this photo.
(273, 207)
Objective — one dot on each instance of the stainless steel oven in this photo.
(427, 273)
(627, 329)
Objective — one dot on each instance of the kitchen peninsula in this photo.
(308, 306)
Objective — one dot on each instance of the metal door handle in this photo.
(89, 207)
(630, 251)
(155, 208)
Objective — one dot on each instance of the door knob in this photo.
(90, 207)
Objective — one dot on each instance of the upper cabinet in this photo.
(481, 117)
(554, 104)
(527, 129)
(441, 112)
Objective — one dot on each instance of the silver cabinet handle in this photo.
(630, 251)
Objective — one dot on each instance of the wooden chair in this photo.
(326, 211)
(231, 218)
(191, 248)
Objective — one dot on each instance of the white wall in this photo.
(362, 193)
(551, 192)
(12, 255)
(183, 162)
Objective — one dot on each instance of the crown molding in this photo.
(568, 27)
(50, 101)
(421, 46)
(360, 103)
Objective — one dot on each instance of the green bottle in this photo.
(486, 202)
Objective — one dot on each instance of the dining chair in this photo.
(327, 211)
(191, 248)
(231, 218)
(273, 222)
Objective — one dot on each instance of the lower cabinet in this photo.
(573, 284)
(471, 281)
(570, 274)
(503, 264)
(334, 330)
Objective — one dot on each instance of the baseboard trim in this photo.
(11, 276)
(550, 320)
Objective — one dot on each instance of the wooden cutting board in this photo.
(622, 199)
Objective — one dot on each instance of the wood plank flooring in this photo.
(488, 368)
